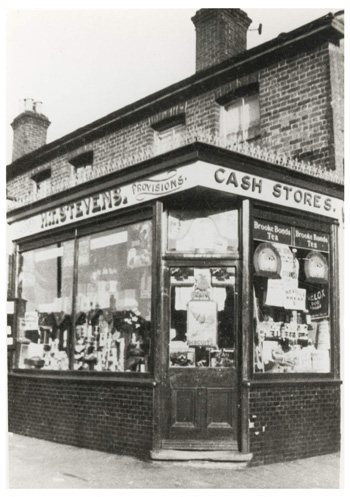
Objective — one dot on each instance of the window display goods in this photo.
(110, 329)
(291, 291)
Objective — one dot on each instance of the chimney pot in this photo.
(28, 104)
(38, 107)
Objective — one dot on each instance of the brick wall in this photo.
(337, 88)
(296, 111)
(99, 415)
(290, 422)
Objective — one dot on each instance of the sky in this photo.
(86, 63)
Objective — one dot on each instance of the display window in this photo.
(110, 328)
(113, 302)
(291, 299)
(45, 283)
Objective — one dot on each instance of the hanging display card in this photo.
(294, 299)
(103, 295)
(275, 293)
(146, 285)
(281, 294)
(84, 251)
(68, 254)
(109, 240)
(272, 232)
(47, 254)
(31, 320)
(140, 245)
(202, 323)
(311, 240)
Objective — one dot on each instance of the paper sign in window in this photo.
(202, 323)
(51, 253)
(108, 240)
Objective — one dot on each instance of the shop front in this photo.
(165, 310)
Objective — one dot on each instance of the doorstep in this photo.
(200, 455)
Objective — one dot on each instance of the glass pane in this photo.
(45, 283)
(291, 297)
(204, 232)
(114, 300)
(252, 109)
(233, 113)
(202, 317)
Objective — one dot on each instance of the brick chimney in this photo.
(220, 34)
(29, 129)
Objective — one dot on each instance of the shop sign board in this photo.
(185, 177)
(272, 232)
(311, 240)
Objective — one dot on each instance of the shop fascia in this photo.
(181, 179)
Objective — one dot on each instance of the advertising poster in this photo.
(202, 323)
(317, 301)
(140, 245)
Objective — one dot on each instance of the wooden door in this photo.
(199, 391)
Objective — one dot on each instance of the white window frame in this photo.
(245, 126)
(169, 138)
(42, 184)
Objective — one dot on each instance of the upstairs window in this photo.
(82, 165)
(169, 139)
(42, 183)
(240, 115)
(169, 132)
(241, 119)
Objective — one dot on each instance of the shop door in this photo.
(200, 395)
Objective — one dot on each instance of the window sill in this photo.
(292, 380)
(133, 379)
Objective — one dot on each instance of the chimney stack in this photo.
(29, 129)
(220, 34)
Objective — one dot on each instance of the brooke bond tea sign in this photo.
(311, 240)
(272, 232)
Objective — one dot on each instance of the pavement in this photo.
(38, 464)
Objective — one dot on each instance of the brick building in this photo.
(175, 287)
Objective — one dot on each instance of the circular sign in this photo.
(316, 267)
(267, 261)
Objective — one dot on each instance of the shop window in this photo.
(202, 327)
(42, 182)
(45, 284)
(113, 302)
(291, 299)
(203, 232)
(82, 165)
(241, 119)
(110, 330)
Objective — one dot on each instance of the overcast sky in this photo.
(85, 63)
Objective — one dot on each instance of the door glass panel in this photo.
(202, 317)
